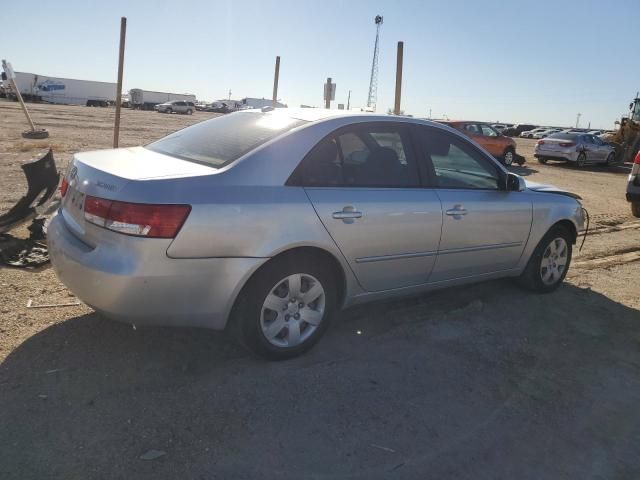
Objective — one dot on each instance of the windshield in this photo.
(221, 140)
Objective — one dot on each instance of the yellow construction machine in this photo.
(626, 139)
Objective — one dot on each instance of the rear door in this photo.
(364, 184)
(484, 228)
(590, 148)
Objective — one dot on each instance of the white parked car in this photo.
(531, 133)
(546, 133)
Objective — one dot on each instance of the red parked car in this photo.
(501, 147)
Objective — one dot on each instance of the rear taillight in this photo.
(566, 144)
(540, 142)
(64, 186)
(139, 219)
(637, 159)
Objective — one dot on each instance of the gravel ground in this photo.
(485, 382)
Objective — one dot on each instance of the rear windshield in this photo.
(564, 136)
(221, 140)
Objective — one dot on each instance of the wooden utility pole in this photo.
(116, 128)
(396, 108)
(276, 77)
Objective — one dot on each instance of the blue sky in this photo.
(539, 61)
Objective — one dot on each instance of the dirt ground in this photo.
(485, 382)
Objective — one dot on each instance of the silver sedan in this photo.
(577, 148)
(268, 222)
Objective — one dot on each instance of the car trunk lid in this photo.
(105, 174)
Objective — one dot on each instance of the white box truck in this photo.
(67, 91)
(147, 100)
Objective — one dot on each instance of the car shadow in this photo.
(522, 170)
(623, 169)
(485, 372)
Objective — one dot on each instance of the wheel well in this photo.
(322, 256)
(568, 224)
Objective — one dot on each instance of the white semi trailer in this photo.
(146, 99)
(67, 91)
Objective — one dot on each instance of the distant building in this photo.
(261, 102)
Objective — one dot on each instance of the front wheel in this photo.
(189, 112)
(550, 261)
(285, 307)
(508, 156)
(611, 159)
(581, 160)
(635, 209)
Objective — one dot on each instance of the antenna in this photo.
(373, 82)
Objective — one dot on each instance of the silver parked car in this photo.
(578, 148)
(176, 106)
(267, 222)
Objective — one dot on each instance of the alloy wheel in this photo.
(293, 310)
(508, 157)
(554, 261)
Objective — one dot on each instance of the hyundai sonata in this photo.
(268, 222)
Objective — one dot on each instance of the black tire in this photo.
(611, 159)
(246, 316)
(531, 278)
(581, 161)
(189, 112)
(168, 110)
(542, 160)
(508, 157)
(635, 209)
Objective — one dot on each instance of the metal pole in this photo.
(13, 84)
(396, 108)
(123, 34)
(327, 94)
(276, 77)
(349, 100)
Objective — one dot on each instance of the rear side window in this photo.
(221, 140)
(362, 156)
(456, 163)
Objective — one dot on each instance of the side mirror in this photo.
(515, 183)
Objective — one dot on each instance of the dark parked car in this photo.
(517, 129)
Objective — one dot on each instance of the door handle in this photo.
(347, 215)
(457, 211)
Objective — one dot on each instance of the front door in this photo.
(484, 228)
(365, 187)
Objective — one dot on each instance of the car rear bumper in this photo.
(135, 282)
(557, 155)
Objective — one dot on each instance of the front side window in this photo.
(487, 131)
(361, 156)
(456, 163)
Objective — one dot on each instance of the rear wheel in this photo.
(285, 307)
(550, 261)
(542, 160)
(189, 112)
(635, 209)
(581, 160)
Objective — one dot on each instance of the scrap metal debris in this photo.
(30, 253)
(52, 305)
